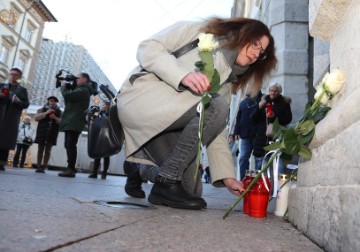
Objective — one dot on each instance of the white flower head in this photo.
(207, 42)
(334, 81)
(324, 99)
(20, 81)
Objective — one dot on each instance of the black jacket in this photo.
(282, 111)
(47, 129)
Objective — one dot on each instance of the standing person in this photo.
(13, 99)
(245, 131)
(281, 110)
(47, 131)
(73, 122)
(103, 112)
(25, 131)
(157, 107)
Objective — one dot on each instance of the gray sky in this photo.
(111, 29)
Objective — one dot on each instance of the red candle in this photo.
(269, 109)
(259, 198)
(246, 181)
(5, 91)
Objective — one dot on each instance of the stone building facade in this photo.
(21, 28)
(311, 38)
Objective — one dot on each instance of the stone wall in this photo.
(326, 204)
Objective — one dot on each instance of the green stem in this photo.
(199, 145)
(252, 183)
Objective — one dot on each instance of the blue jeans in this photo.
(246, 147)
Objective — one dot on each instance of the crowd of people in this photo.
(164, 91)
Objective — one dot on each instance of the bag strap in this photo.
(178, 53)
(186, 48)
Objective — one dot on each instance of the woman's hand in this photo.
(234, 186)
(196, 81)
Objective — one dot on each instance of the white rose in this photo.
(207, 42)
(324, 99)
(334, 81)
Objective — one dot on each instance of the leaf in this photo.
(307, 138)
(290, 142)
(199, 64)
(305, 152)
(206, 100)
(320, 114)
(306, 127)
(273, 146)
(215, 83)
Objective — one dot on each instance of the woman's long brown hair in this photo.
(239, 32)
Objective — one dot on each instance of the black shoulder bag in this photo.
(105, 135)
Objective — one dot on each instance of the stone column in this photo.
(326, 204)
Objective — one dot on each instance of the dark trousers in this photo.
(3, 156)
(97, 164)
(71, 139)
(20, 148)
(43, 155)
(175, 149)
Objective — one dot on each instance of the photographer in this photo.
(13, 99)
(72, 123)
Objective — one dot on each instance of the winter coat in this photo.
(245, 127)
(151, 103)
(24, 130)
(10, 113)
(282, 111)
(47, 129)
(76, 103)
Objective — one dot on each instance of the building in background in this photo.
(56, 56)
(21, 28)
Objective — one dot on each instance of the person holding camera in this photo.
(77, 101)
(13, 99)
(47, 131)
(24, 141)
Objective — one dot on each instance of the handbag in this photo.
(105, 133)
(27, 140)
(269, 129)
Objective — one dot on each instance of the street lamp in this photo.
(21, 28)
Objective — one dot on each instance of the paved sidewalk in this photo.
(44, 212)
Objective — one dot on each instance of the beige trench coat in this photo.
(153, 102)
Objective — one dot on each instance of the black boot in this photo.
(103, 174)
(133, 181)
(68, 173)
(171, 193)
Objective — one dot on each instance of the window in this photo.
(28, 34)
(6, 44)
(4, 51)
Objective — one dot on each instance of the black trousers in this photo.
(71, 139)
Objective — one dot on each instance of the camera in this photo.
(69, 78)
(70, 81)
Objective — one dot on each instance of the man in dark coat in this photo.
(73, 122)
(13, 99)
(48, 118)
